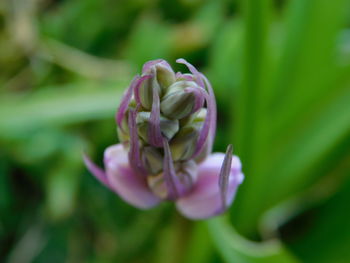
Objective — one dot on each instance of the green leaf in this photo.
(235, 248)
(328, 238)
(57, 107)
(303, 120)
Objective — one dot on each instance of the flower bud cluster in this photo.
(166, 126)
(166, 106)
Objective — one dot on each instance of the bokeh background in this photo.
(281, 73)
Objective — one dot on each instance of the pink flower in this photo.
(166, 125)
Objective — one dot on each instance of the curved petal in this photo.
(199, 97)
(124, 181)
(208, 129)
(138, 86)
(212, 102)
(96, 171)
(134, 152)
(148, 65)
(186, 76)
(125, 101)
(204, 200)
(193, 70)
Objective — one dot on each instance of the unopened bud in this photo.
(162, 72)
(183, 145)
(177, 103)
(145, 92)
(123, 130)
(198, 116)
(168, 127)
(165, 77)
(152, 159)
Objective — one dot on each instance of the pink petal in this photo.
(138, 86)
(199, 97)
(208, 129)
(186, 76)
(204, 200)
(148, 65)
(212, 105)
(96, 171)
(134, 152)
(125, 101)
(124, 181)
(193, 70)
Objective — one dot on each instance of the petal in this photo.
(208, 130)
(96, 171)
(207, 133)
(155, 134)
(204, 200)
(186, 76)
(193, 70)
(212, 105)
(138, 86)
(148, 65)
(199, 97)
(125, 181)
(125, 101)
(134, 152)
(134, 87)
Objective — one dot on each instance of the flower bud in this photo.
(198, 116)
(162, 71)
(162, 76)
(183, 145)
(152, 159)
(145, 92)
(165, 77)
(177, 103)
(123, 131)
(168, 127)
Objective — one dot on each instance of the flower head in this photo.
(166, 123)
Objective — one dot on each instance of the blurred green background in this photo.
(281, 73)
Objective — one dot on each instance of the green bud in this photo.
(168, 127)
(146, 91)
(152, 159)
(176, 103)
(198, 116)
(183, 145)
(165, 77)
(124, 134)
